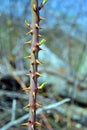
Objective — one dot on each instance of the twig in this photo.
(46, 121)
(13, 109)
(53, 105)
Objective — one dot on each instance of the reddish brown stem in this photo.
(46, 121)
(34, 65)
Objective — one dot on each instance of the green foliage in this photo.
(43, 85)
(44, 2)
(42, 42)
(26, 23)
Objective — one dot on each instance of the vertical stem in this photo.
(34, 66)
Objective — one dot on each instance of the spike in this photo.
(37, 105)
(25, 124)
(38, 62)
(29, 57)
(33, 49)
(32, 63)
(42, 85)
(28, 42)
(37, 123)
(27, 106)
(33, 76)
(41, 18)
(31, 32)
(27, 89)
(38, 74)
(37, 26)
(27, 74)
(39, 35)
(33, 94)
(34, 8)
(32, 111)
(40, 49)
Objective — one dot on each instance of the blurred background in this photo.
(64, 68)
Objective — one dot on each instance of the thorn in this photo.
(33, 49)
(38, 74)
(37, 26)
(33, 111)
(34, 8)
(37, 123)
(32, 63)
(37, 105)
(40, 49)
(28, 42)
(29, 57)
(25, 124)
(27, 89)
(27, 74)
(41, 18)
(31, 32)
(33, 76)
(39, 35)
(38, 62)
(27, 106)
(33, 94)
(33, 105)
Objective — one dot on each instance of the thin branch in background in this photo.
(46, 121)
(13, 110)
(21, 119)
